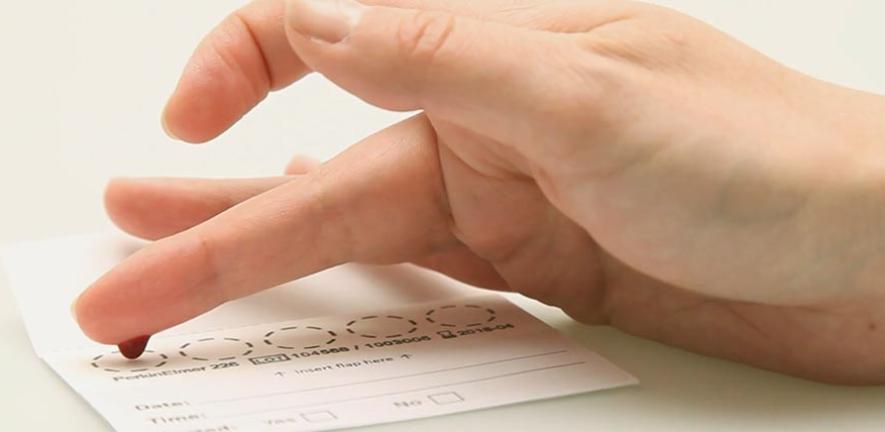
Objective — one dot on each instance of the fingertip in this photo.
(301, 164)
(211, 95)
(154, 208)
(126, 210)
(329, 21)
(115, 202)
(166, 129)
(154, 289)
(88, 321)
(197, 113)
(74, 310)
(232, 70)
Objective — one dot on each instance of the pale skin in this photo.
(622, 161)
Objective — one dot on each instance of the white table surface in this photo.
(81, 88)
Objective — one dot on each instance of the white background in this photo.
(82, 84)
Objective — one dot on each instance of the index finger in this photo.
(331, 216)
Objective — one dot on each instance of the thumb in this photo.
(485, 76)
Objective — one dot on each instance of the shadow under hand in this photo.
(342, 290)
(691, 391)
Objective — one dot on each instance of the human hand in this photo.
(622, 161)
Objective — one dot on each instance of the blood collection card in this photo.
(347, 347)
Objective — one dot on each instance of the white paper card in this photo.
(397, 345)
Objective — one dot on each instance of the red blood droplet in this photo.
(134, 348)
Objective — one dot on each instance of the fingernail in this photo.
(134, 348)
(74, 310)
(326, 20)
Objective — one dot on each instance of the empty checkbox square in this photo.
(318, 416)
(446, 398)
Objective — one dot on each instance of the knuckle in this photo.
(423, 35)
(325, 202)
(241, 56)
(209, 287)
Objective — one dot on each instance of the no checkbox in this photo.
(318, 416)
(446, 398)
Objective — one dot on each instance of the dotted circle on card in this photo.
(443, 316)
(234, 348)
(97, 361)
(408, 326)
(316, 335)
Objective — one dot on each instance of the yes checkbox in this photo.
(446, 398)
(318, 416)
